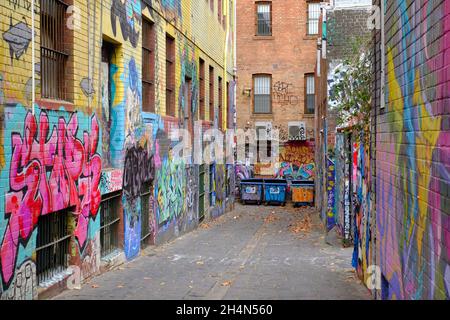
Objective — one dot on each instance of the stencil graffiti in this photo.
(48, 173)
(18, 37)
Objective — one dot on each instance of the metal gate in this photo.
(201, 190)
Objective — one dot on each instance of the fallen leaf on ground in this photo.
(226, 284)
(200, 263)
(302, 225)
(95, 286)
(147, 278)
(120, 286)
(205, 226)
(162, 283)
(271, 218)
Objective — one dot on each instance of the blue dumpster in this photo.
(275, 191)
(252, 190)
(302, 192)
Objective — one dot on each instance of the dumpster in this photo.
(275, 191)
(302, 192)
(252, 190)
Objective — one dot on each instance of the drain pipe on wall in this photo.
(33, 58)
(383, 57)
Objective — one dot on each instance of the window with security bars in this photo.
(262, 98)
(310, 99)
(53, 50)
(170, 76)
(146, 230)
(313, 18)
(52, 247)
(202, 89)
(211, 94)
(264, 19)
(109, 223)
(220, 109)
(148, 66)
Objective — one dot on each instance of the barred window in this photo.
(202, 89)
(310, 93)
(109, 223)
(264, 19)
(313, 18)
(262, 98)
(52, 248)
(211, 94)
(53, 54)
(220, 109)
(170, 76)
(146, 230)
(148, 66)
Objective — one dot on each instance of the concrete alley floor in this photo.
(254, 252)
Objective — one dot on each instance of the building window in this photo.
(146, 230)
(148, 66)
(54, 58)
(202, 89)
(170, 76)
(212, 200)
(262, 99)
(310, 94)
(264, 19)
(220, 109)
(52, 247)
(313, 18)
(229, 113)
(211, 93)
(109, 223)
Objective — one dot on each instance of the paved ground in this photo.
(251, 253)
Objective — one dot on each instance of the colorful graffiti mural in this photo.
(50, 170)
(330, 210)
(412, 164)
(297, 161)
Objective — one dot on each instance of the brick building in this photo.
(276, 57)
(88, 171)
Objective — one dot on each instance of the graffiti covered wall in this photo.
(70, 157)
(297, 161)
(413, 157)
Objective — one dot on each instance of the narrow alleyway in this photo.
(251, 253)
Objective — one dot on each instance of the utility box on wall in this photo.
(297, 131)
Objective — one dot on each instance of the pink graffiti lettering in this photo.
(49, 173)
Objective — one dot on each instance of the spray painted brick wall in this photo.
(413, 153)
(59, 158)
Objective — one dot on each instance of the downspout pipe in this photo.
(33, 60)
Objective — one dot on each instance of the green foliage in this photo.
(352, 89)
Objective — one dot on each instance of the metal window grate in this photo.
(310, 94)
(262, 98)
(264, 23)
(148, 66)
(313, 18)
(170, 76)
(146, 230)
(109, 224)
(52, 247)
(53, 57)
(211, 186)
